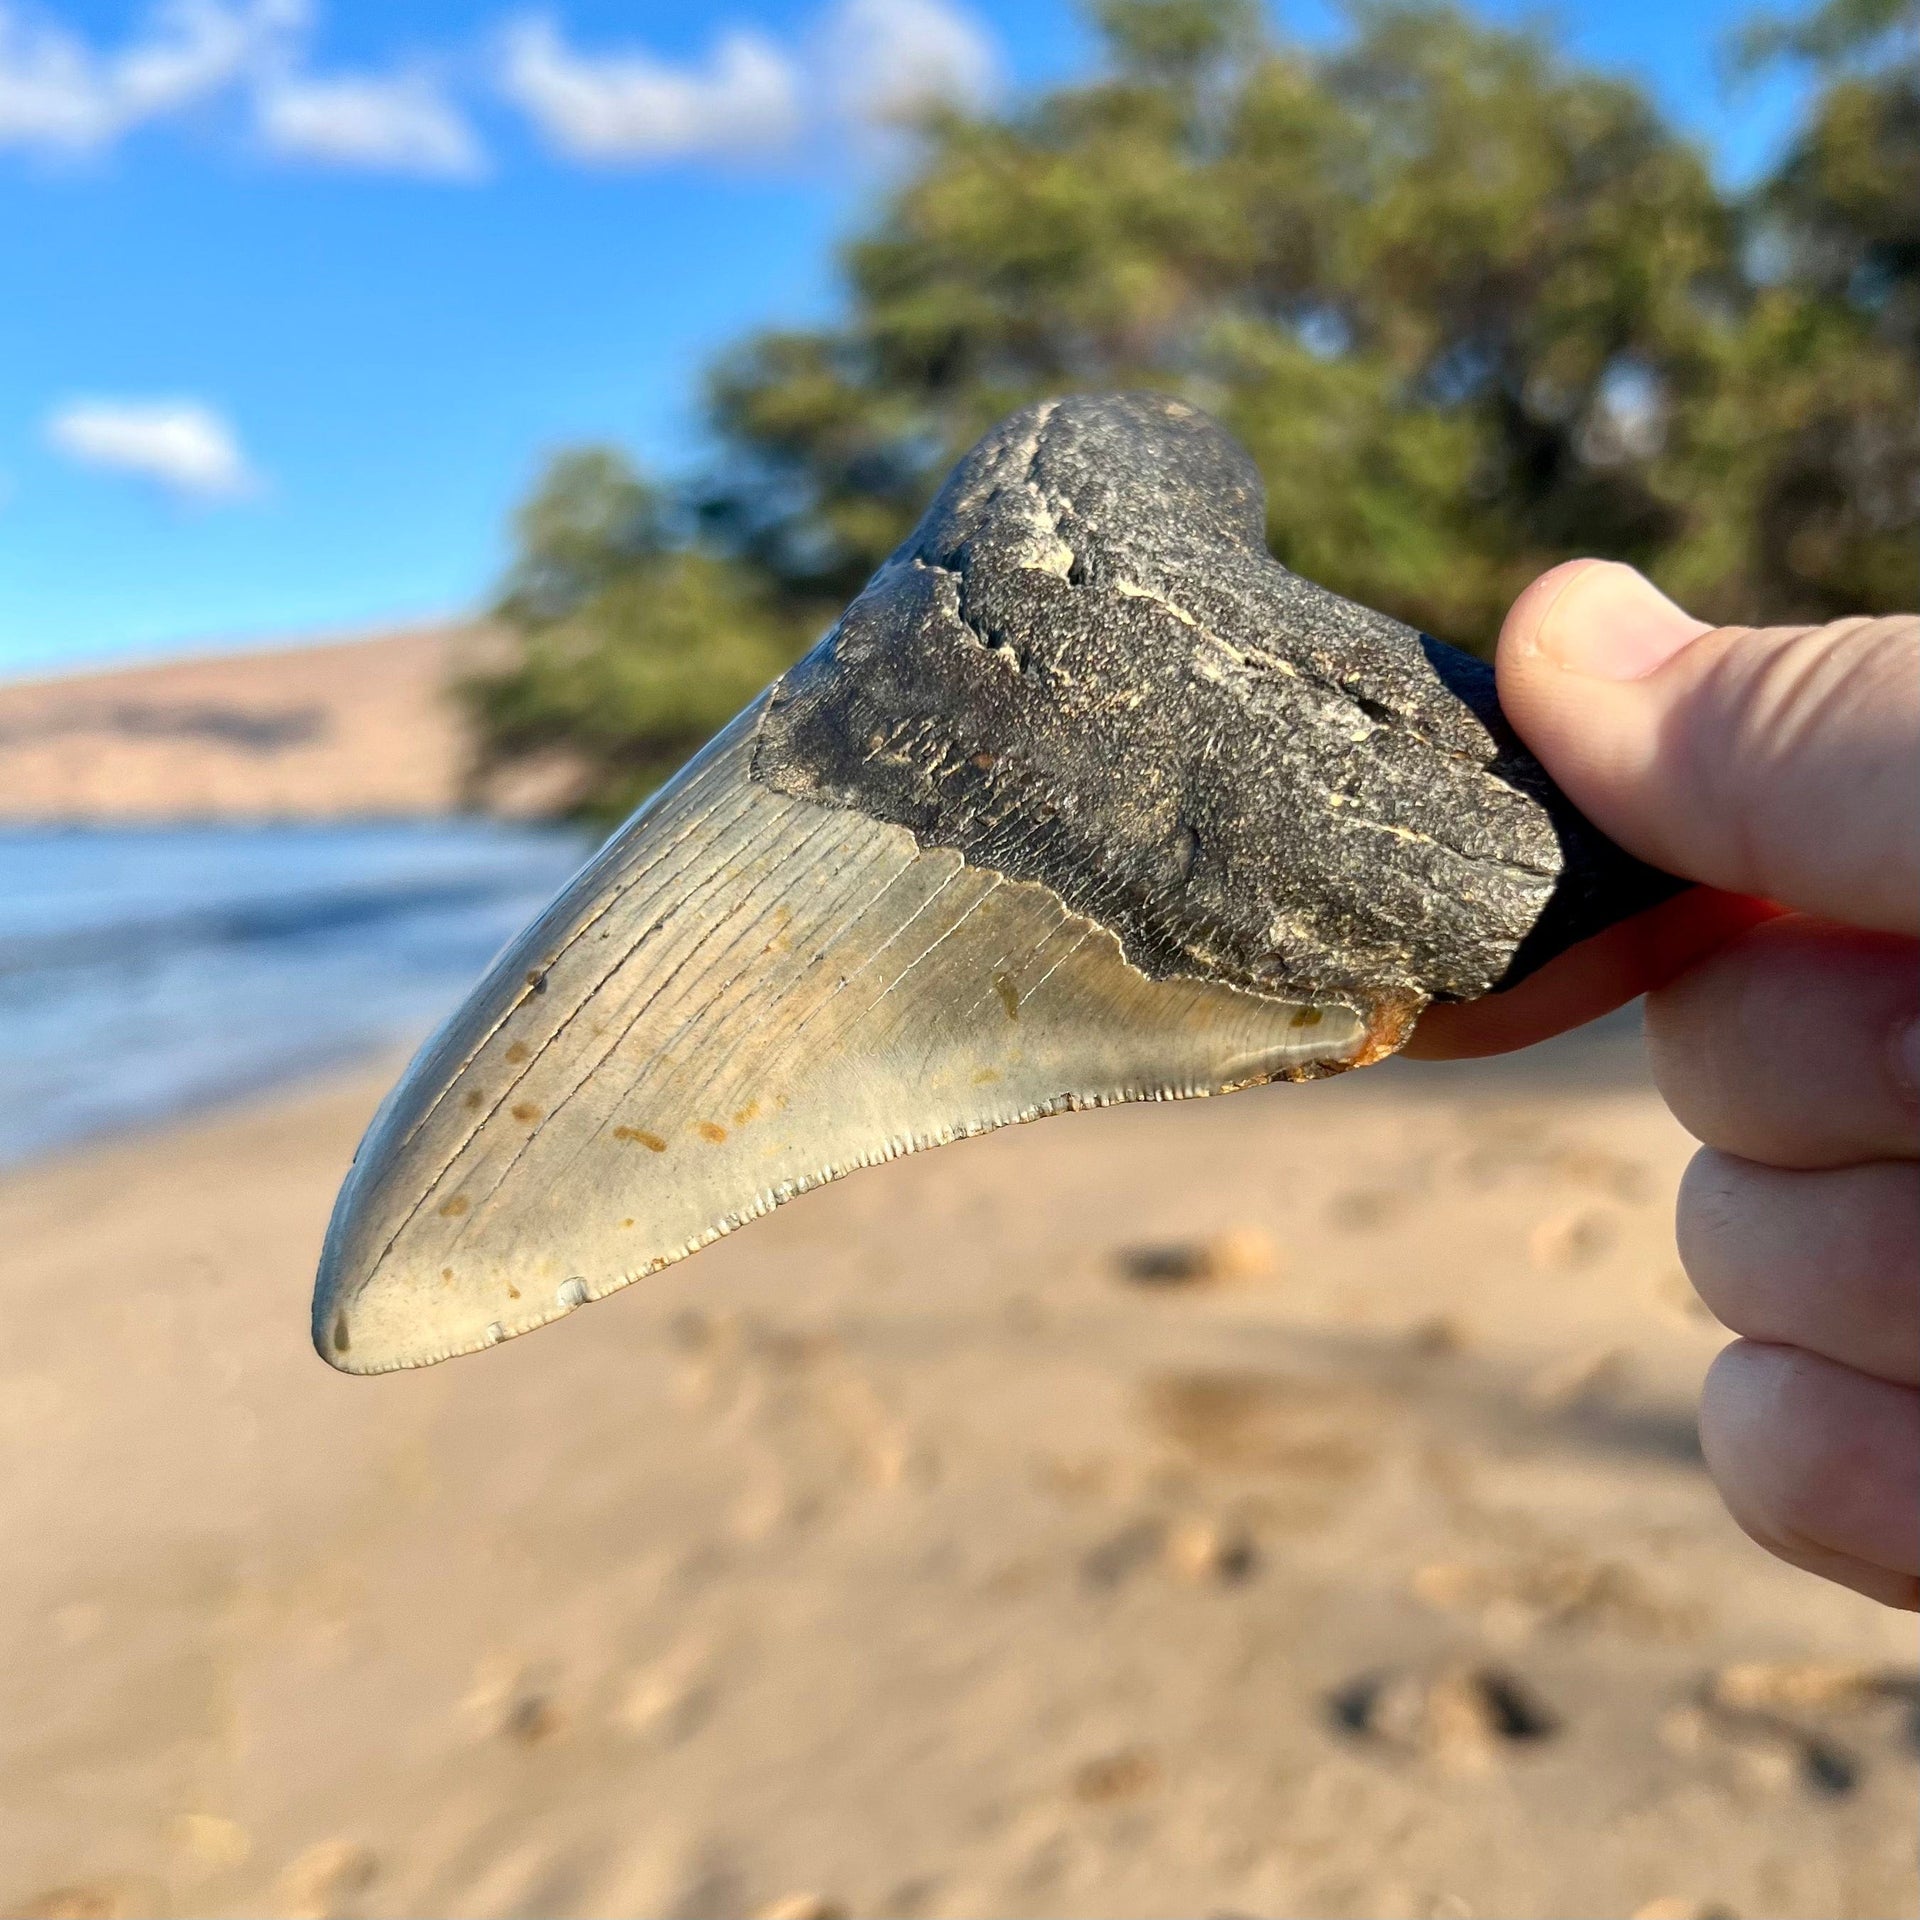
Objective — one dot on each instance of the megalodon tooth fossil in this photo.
(1085, 799)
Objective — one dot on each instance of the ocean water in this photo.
(145, 972)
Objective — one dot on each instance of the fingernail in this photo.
(1906, 1061)
(1612, 623)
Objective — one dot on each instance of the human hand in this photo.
(1779, 767)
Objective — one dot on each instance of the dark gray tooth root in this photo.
(1084, 668)
(1085, 800)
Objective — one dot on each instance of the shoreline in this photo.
(297, 1088)
(149, 973)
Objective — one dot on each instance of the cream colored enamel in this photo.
(740, 997)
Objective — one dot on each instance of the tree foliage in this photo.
(1471, 308)
(633, 645)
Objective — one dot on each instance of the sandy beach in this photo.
(1281, 1505)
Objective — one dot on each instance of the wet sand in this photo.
(1282, 1505)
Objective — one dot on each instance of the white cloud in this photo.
(885, 60)
(58, 93)
(399, 123)
(631, 106)
(865, 64)
(181, 445)
(868, 63)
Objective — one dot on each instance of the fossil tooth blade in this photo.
(1085, 799)
(744, 995)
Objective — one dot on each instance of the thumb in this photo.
(1782, 762)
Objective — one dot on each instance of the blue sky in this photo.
(296, 294)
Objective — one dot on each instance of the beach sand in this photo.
(1278, 1505)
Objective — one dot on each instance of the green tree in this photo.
(1471, 308)
(1810, 439)
(633, 645)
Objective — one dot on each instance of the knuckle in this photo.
(1772, 729)
(1783, 1046)
(1781, 744)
